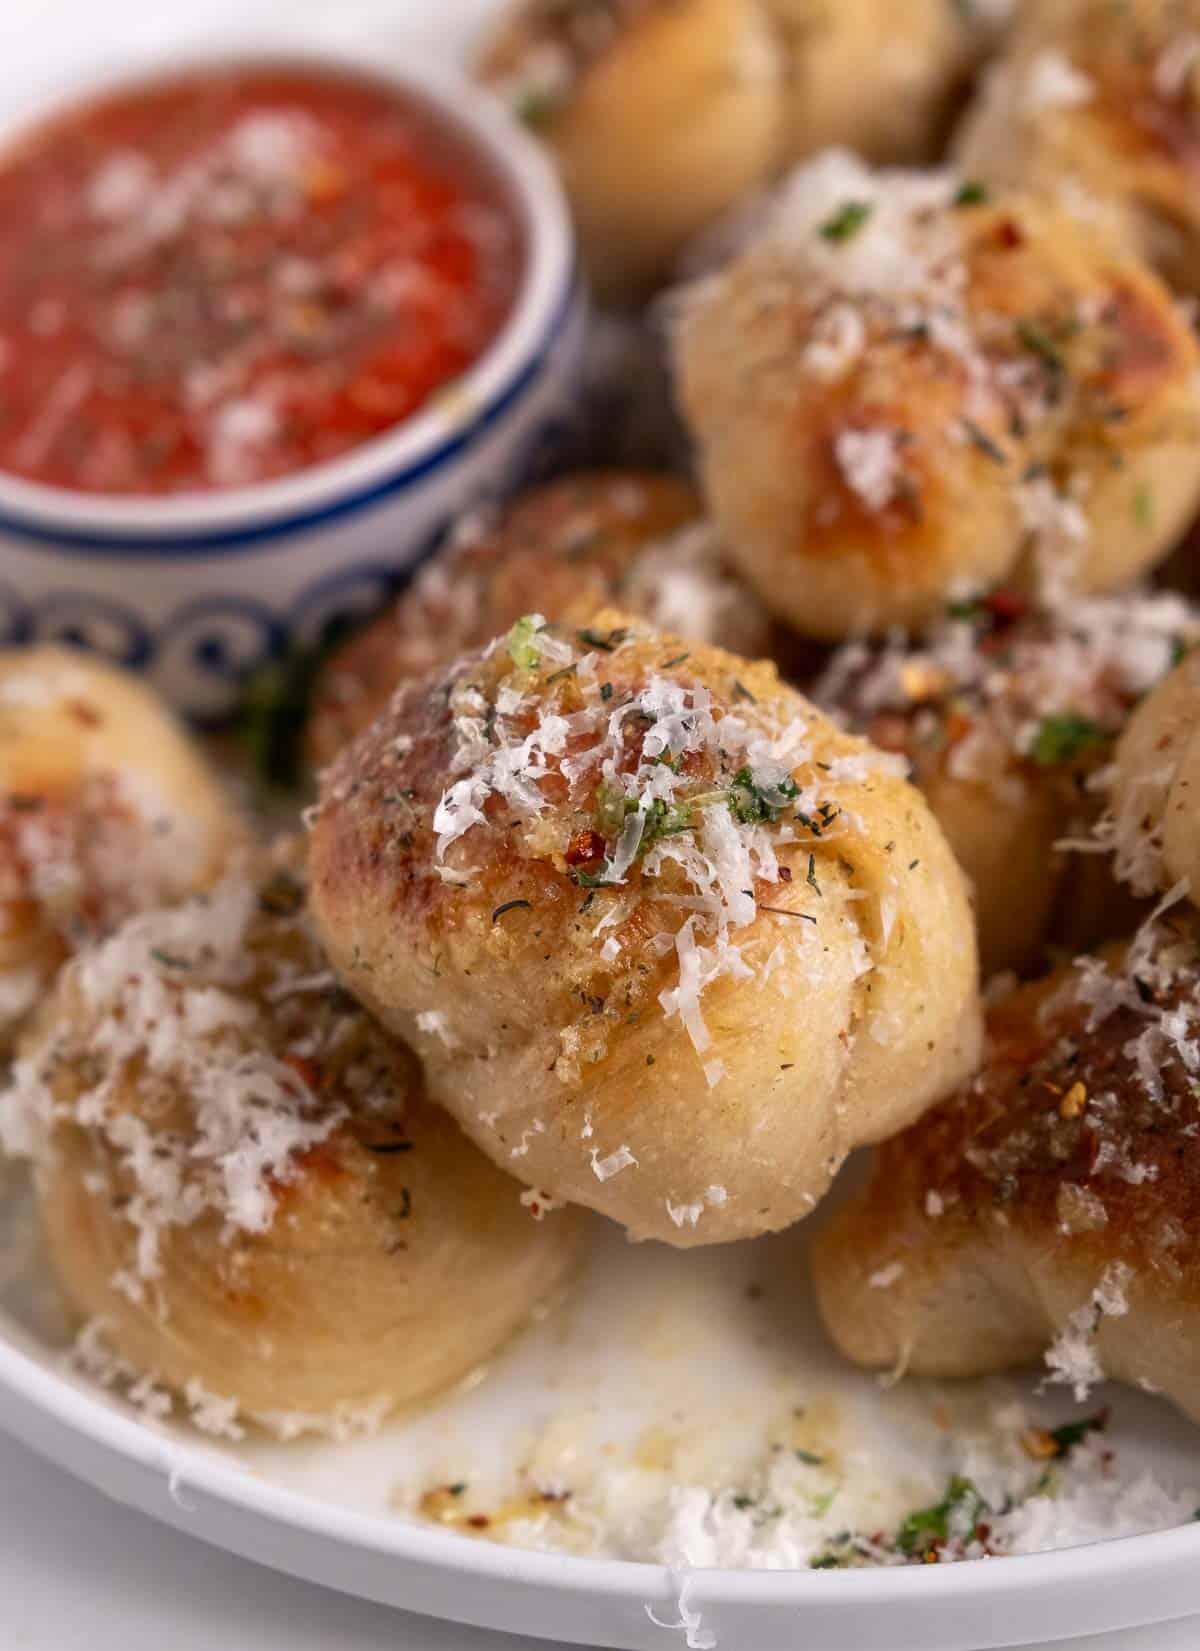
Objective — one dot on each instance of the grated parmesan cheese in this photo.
(1053, 82)
(161, 1011)
(1091, 658)
(1072, 1358)
(605, 1168)
(799, 1510)
(635, 763)
(869, 460)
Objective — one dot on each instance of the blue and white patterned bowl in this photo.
(199, 591)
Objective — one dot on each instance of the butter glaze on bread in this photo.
(1009, 714)
(659, 113)
(1098, 102)
(1054, 1199)
(106, 808)
(241, 1181)
(902, 393)
(668, 943)
(585, 541)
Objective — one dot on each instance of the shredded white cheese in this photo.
(1053, 82)
(164, 1006)
(605, 1168)
(870, 463)
(1072, 1358)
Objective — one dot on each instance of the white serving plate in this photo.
(654, 1344)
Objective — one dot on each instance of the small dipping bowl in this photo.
(200, 589)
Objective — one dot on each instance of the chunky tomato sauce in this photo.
(216, 280)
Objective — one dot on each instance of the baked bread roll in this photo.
(901, 393)
(1155, 788)
(238, 1175)
(881, 77)
(106, 808)
(1100, 103)
(668, 943)
(1052, 1201)
(1008, 714)
(659, 113)
(574, 545)
(664, 114)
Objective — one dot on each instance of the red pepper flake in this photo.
(1009, 234)
(306, 1070)
(1007, 604)
(585, 848)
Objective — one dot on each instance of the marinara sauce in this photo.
(219, 279)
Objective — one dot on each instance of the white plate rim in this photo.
(1029, 1595)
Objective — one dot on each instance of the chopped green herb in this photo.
(557, 676)
(956, 1514)
(665, 819)
(1064, 737)
(387, 1148)
(740, 691)
(1071, 1434)
(839, 1555)
(590, 879)
(660, 819)
(167, 960)
(811, 879)
(606, 691)
(979, 438)
(606, 644)
(613, 808)
(1038, 342)
(522, 645)
(1143, 505)
(847, 220)
(754, 804)
(809, 1459)
(971, 193)
(510, 905)
(536, 109)
(277, 702)
(668, 664)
